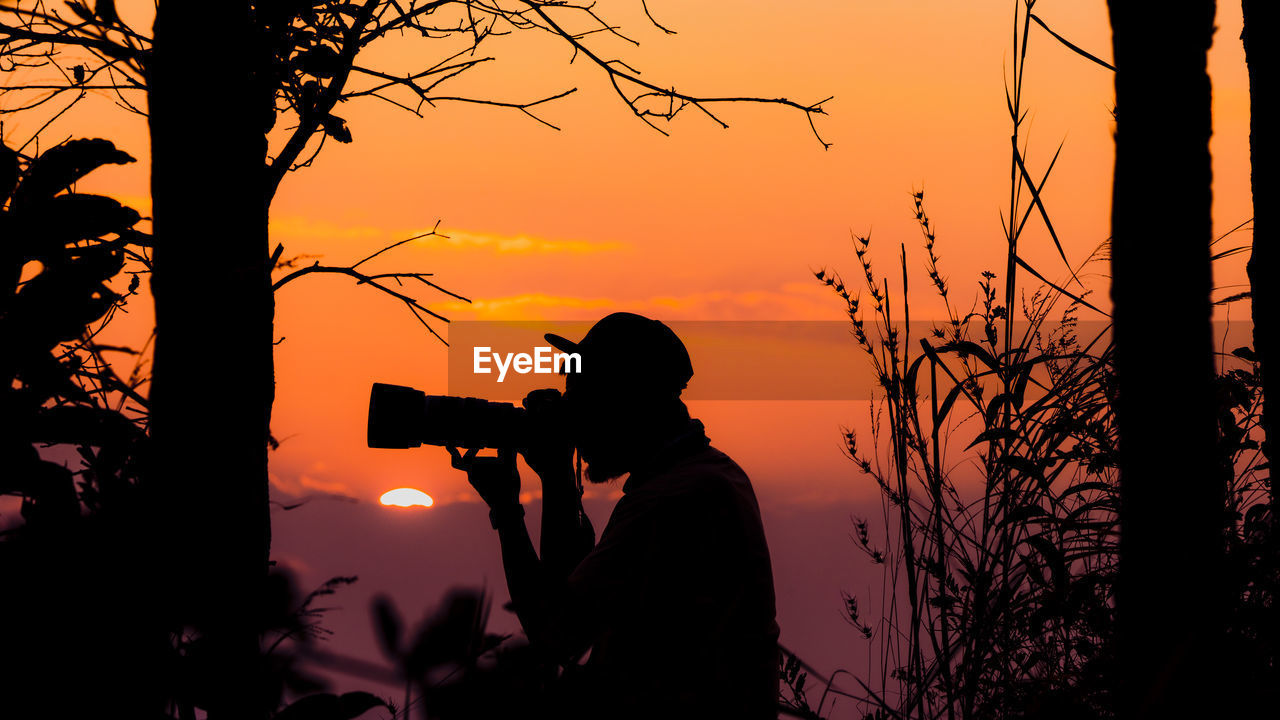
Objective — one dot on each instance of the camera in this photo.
(402, 417)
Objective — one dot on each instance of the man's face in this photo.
(597, 425)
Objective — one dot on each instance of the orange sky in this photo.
(607, 214)
(706, 224)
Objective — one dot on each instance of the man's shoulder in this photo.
(707, 471)
(711, 461)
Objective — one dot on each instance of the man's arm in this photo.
(538, 588)
(567, 535)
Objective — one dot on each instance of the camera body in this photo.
(402, 417)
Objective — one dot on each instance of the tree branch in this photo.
(367, 279)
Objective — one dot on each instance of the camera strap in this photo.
(577, 479)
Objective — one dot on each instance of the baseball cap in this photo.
(632, 348)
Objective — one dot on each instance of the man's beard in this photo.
(600, 470)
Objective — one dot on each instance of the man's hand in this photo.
(550, 450)
(495, 478)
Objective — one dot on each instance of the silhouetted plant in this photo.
(794, 700)
(998, 582)
(61, 402)
(1252, 569)
(998, 567)
(1000, 586)
(85, 596)
(61, 249)
(452, 667)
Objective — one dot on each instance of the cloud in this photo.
(791, 301)
(296, 228)
(527, 306)
(518, 244)
(309, 482)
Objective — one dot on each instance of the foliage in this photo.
(998, 569)
(453, 667)
(1000, 589)
(83, 547)
(61, 251)
(310, 59)
(1000, 562)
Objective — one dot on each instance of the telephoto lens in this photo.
(401, 417)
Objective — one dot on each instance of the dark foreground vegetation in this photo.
(1078, 504)
(1108, 549)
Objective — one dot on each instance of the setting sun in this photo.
(406, 497)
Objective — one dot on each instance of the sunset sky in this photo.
(707, 224)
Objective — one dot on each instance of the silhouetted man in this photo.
(676, 601)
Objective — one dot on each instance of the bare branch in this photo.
(644, 4)
(432, 232)
(676, 100)
(362, 278)
(69, 37)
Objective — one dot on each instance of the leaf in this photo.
(57, 304)
(995, 433)
(943, 600)
(336, 128)
(327, 706)
(1024, 376)
(71, 217)
(80, 9)
(997, 402)
(1039, 204)
(1053, 560)
(1084, 487)
(1245, 353)
(355, 704)
(8, 172)
(20, 459)
(80, 425)
(43, 377)
(453, 633)
(60, 166)
(1024, 515)
(956, 389)
(1072, 47)
(389, 626)
(949, 400)
(1237, 297)
(52, 488)
(1024, 466)
(909, 380)
(968, 347)
(106, 11)
(320, 61)
(1023, 264)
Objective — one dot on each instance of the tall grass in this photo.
(994, 448)
(998, 560)
(997, 570)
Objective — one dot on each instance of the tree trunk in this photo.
(1169, 597)
(1260, 38)
(213, 380)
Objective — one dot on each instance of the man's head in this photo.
(626, 399)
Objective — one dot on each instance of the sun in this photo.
(406, 497)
